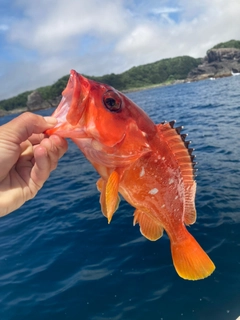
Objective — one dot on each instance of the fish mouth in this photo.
(71, 107)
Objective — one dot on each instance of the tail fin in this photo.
(190, 260)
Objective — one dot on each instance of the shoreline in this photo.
(4, 113)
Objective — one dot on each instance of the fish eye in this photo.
(112, 101)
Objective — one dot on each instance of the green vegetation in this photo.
(160, 72)
(166, 70)
(229, 44)
(54, 91)
(16, 102)
(47, 93)
(163, 71)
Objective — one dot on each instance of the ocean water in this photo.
(59, 259)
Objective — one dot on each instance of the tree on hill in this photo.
(16, 102)
(229, 44)
(162, 71)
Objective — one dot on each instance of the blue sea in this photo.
(59, 258)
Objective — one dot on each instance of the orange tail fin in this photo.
(190, 260)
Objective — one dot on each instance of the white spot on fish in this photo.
(163, 206)
(153, 191)
(163, 158)
(142, 173)
(96, 145)
(170, 181)
(176, 197)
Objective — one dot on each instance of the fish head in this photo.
(90, 109)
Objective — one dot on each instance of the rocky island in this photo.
(218, 63)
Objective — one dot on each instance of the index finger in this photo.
(23, 126)
(36, 138)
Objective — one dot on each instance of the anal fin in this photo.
(109, 198)
(101, 186)
(149, 228)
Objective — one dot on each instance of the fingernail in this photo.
(51, 120)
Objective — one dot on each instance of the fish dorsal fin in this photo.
(183, 154)
(149, 228)
(109, 198)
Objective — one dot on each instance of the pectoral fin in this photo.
(149, 228)
(109, 198)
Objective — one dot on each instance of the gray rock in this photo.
(2, 112)
(217, 63)
(35, 101)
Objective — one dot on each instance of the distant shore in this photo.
(4, 113)
(220, 61)
(164, 84)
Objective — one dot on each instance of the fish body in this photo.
(149, 165)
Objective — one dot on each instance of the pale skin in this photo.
(27, 158)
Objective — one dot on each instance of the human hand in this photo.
(26, 158)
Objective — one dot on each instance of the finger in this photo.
(46, 157)
(41, 169)
(37, 138)
(18, 130)
(23, 126)
(56, 147)
(60, 143)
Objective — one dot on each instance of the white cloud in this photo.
(201, 25)
(58, 27)
(96, 37)
(162, 10)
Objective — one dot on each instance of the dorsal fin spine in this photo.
(178, 145)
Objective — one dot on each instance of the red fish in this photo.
(150, 165)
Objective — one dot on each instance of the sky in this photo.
(41, 41)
